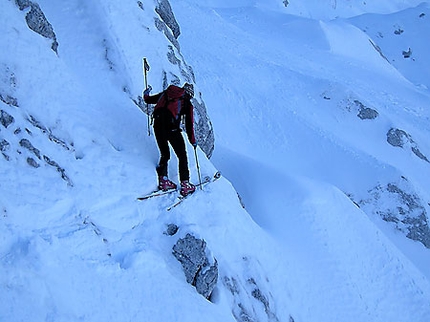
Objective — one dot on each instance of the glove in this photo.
(147, 91)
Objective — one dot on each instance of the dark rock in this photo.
(6, 119)
(48, 132)
(401, 139)
(27, 144)
(398, 204)
(203, 128)
(9, 100)
(171, 230)
(4, 145)
(250, 296)
(365, 113)
(407, 54)
(368, 114)
(166, 14)
(37, 21)
(61, 170)
(231, 284)
(397, 137)
(161, 26)
(206, 280)
(418, 153)
(22, 4)
(32, 163)
(198, 269)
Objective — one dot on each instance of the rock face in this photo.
(166, 14)
(200, 271)
(171, 29)
(204, 131)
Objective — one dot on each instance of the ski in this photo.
(206, 181)
(156, 193)
(159, 192)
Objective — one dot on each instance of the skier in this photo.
(171, 105)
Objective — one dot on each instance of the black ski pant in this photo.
(174, 137)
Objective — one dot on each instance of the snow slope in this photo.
(280, 91)
(297, 118)
(330, 9)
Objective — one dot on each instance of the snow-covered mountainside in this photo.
(330, 9)
(316, 113)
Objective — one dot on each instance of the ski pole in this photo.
(145, 70)
(198, 168)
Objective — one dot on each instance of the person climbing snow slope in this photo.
(173, 105)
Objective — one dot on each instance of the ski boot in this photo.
(165, 184)
(187, 188)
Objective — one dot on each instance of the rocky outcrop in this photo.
(200, 270)
(401, 139)
(25, 148)
(250, 294)
(204, 131)
(9, 100)
(166, 23)
(166, 14)
(6, 119)
(396, 203)
(17, 133)
(353, 105)
(364, 112)
(37, 21)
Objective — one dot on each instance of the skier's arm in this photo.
(151, 99)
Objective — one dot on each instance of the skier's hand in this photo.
(147, 91)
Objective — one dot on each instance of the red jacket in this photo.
(177, 103)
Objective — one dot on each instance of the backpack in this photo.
(171, 100)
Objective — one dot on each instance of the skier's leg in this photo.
(163, 146)
(178, 145)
